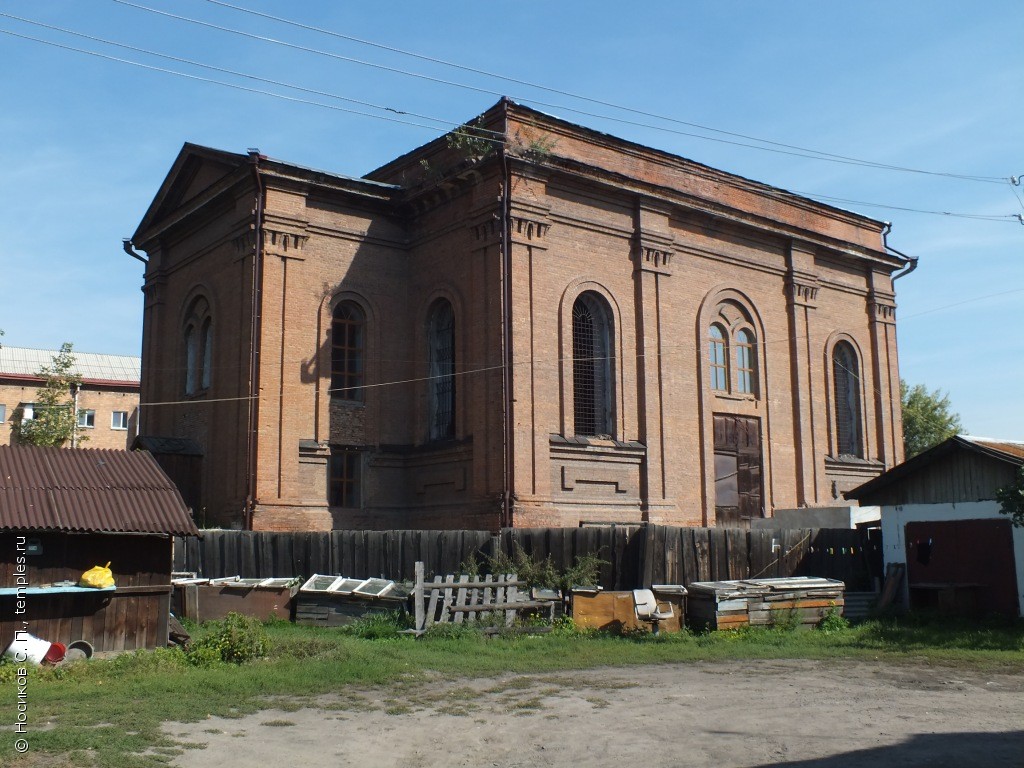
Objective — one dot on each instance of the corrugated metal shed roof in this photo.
(88, 490)
(20, 361)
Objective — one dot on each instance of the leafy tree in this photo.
(53, 418)
(927, 418)
(1011, 499)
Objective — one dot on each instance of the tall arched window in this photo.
(718, 359)
(347, 351)
(732, 344)
(198, 343)
(441, 364)
(592, 368)
(746, 373)
(846, 385)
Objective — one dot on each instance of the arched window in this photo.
(207, 354)
(347, 351)
(732, 356)
(846, 384)
(198, 342)
(592, 368)
(746, 373)
(441, 364)
(718, 363)
(191, 366)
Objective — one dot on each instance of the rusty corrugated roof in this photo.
(88, 490)
(1011, 448)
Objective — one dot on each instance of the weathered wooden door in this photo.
(737, 470)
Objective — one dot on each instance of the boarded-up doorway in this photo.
(737, 470)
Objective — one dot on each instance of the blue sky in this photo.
(934, 86)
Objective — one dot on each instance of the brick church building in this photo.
(525, 323)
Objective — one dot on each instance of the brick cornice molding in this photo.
(802, 288)
(653, 252)
(882, 307)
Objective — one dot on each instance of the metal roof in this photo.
(20, 361)
(88, 490)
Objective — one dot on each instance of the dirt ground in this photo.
(756, 713)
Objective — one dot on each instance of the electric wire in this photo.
(666, 351)
(796, 152)
(476, 131)
(589, 99)
(236, 73)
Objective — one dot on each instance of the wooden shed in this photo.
(63, 511)
(941, 521)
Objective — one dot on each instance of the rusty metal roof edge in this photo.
(90, 490)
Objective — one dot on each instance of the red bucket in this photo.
(55, 655)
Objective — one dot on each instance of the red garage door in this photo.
(966, 565)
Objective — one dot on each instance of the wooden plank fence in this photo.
(635, 556)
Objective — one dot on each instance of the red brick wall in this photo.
(663, 241)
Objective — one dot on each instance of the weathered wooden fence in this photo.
(634, 555)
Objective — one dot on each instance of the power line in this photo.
(777, 148)
(236, 73)
(592, 100)
(482, 133)
(667, 350)
(215, 82)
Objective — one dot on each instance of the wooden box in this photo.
(614, 611)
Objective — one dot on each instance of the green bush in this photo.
(832, 622)
(235, 639)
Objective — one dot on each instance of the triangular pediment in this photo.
(196, 170)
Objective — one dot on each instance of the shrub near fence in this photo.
(635, 555)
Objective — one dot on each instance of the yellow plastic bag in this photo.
(99, 577)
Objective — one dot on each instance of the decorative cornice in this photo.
(652, 252)
(802, 289)
(276, 242)
(882, 307)
(524, 228)
(654, 259)
(281, 242)
(529, 228)
(486, 229)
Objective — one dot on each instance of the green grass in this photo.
(108, 713)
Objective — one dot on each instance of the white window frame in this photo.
(113, 423)
(90, 423)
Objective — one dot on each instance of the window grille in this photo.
(591, 367)
(344, 478)
(347, 351)
(846, 380)
(441, 371)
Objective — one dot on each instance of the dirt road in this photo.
(795, 713)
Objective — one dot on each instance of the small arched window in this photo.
(198, 343)
(441, 370)
(348, 325)
(718, 358)
(846, 385)
(746, 371)
(592, 369)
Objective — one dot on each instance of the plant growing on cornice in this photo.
(472, 140)
(53, 415)
(1011, 499)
